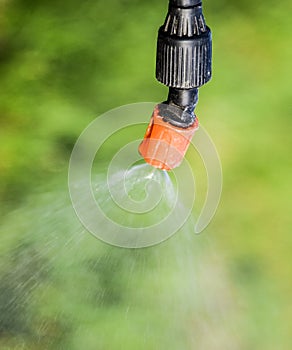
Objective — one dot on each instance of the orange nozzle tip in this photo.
(165, 145)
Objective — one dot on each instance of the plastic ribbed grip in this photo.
(184, 63)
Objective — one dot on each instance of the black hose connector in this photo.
(184, 53)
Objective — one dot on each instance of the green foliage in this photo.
(62, 63)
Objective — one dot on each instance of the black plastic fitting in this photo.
(185, 3)
(183, 97)
(184, 55)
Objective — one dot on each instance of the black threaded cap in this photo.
(184, 64)
(184, 47)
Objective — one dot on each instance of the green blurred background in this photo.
(62, 63)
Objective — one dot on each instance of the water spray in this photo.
(134, 206)
(183, 63)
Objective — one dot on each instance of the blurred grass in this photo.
(62, 64)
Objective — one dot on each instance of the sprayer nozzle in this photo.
(165, 145)
(183, 63)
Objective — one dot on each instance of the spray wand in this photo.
(183, 63)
